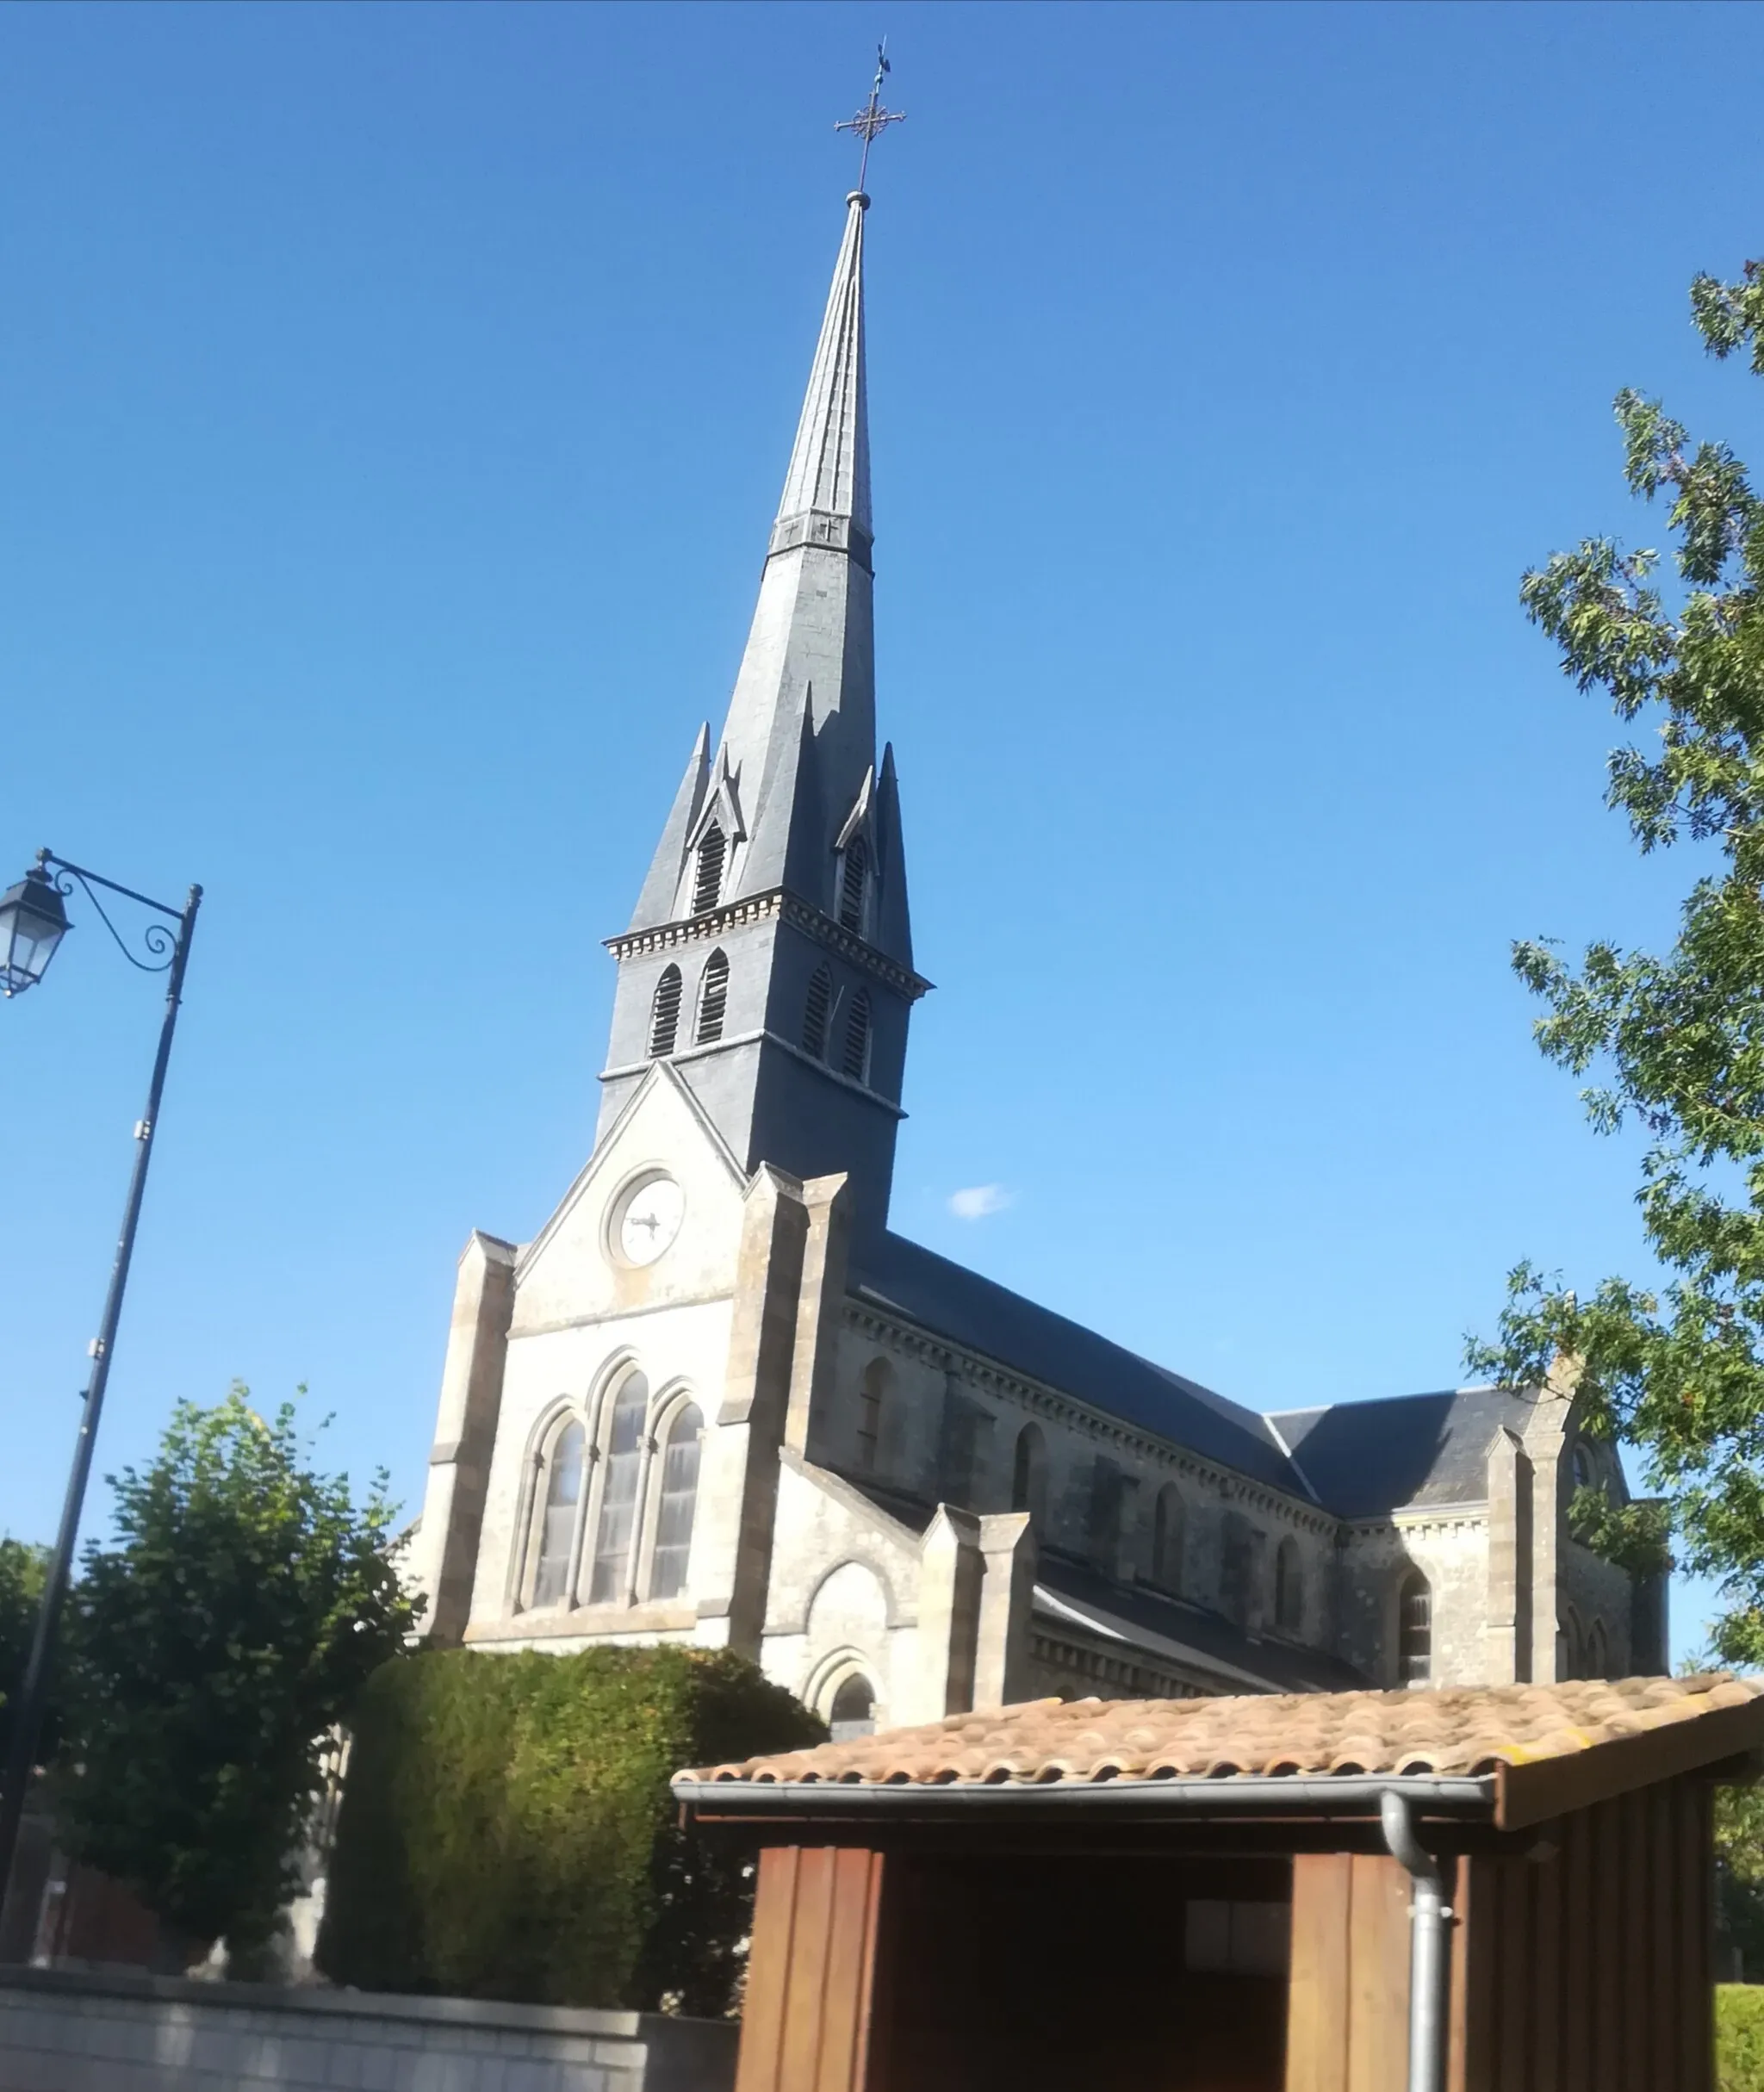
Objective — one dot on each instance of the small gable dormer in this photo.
(711, 845)
(856, 864)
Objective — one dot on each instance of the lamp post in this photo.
(33, 922)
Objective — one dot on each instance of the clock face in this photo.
(648, 1220)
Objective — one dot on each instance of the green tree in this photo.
(21, 1571)
(1677, 1040)
(1739, 1880)
(245, 1601)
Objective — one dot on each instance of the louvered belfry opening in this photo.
(707, 877)
(854, 871)
(664, 1014)
(816, 1006)
(713, 998)
(856, 1059)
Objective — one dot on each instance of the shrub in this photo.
(507, 1829)
(1739, 2037)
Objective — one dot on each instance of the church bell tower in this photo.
(769, 959)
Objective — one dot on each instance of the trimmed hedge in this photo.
(1739, 2037)
(507, 1829)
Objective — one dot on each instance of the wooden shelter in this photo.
(1505, 1889)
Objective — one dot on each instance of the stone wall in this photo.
(62, 2031)
(924, 1379)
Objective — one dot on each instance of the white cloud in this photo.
(978, 1201)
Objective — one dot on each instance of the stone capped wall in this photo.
(66, 2032)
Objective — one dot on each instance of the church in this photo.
(715, 1400)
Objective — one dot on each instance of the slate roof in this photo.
(1143, 1619)
(1443, 1731)
(971, 1311)
(1363, 1458)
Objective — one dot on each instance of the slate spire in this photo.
(798, 750)
(781, 872)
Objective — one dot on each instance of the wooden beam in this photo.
(1551, 1786)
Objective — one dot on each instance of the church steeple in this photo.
(785, 842)
(798, 745)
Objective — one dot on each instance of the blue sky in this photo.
(395, 399)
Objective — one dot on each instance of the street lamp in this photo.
(33, 921)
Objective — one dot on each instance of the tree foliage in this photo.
(245, 1603)
(22, 1568)
(1739, 1877)
(1677, 1041)
(507, 1829)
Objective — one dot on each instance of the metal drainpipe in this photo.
(1429, 1918)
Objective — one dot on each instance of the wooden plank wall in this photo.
(1347, 2023)
(1591, 1970)
(805, 2024)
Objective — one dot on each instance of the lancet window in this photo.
(1166, 1539)
(1288, 1587)
(707, 872)
(679, 1500)
(622, 1450)
(854, 1710)
(1414, 1630)
(1028, 1474)
(664, 1014)
(872, 1393)
(713, 998)
(853, 875)
(816, 1005)
(561, 1479)
(855, 1060)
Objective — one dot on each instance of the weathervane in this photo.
(872, 118)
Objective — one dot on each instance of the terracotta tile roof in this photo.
(1443, 1731)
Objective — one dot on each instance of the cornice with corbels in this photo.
(763, 907)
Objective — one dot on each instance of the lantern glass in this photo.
(33, 921)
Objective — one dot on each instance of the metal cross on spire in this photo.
(872, 118)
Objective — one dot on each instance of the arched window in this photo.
(854, 1710)
(1414, 1630)
(1581, 1466)
(1289, 1587)
(1166, 1539)
(622, 1448)
(872, 1391)
(1597, 1651)
(1028, 1474)
(854, 872)
(707, 873)
(680, 1497)
(1573, 1648)
(713, 998)
(855, 1060)
(664, 1014)
(563, 1492)
(1237, 1567)
(816, 1005)
(1108, 1491)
